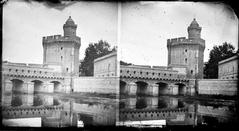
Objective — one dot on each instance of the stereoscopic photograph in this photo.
(106, 64)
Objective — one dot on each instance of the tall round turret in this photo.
(194, 30)
(69, 27)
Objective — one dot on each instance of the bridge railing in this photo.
(31, 73)
(149, 74)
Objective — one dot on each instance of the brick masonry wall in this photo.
(104, 85)
(217, 87)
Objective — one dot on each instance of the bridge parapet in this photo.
(31, 70)
(150, 73)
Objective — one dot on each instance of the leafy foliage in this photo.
(92, 52)
(217, 54)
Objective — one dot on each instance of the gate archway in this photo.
(17, 85)
(141, 88)
(181, 88)
(162, 88)
(38, 85)
(123, 87)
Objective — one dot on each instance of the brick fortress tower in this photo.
(63, 51)
(189, 52)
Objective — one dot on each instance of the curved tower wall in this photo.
(188, 53)
(63, 50)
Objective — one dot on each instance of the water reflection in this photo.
(177, 110)
(55, 111)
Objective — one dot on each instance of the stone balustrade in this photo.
(150, 73)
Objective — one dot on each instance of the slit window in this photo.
(186, 60)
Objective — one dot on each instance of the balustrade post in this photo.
(7, 87)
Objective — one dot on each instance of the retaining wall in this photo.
(104, 85)
(217, 87)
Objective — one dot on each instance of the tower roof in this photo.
(70, 21)
(194, 23)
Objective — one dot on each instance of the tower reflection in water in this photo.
(55, 111)
(177, 111)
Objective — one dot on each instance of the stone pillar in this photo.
(173, 103)
(30, 87)
(152, 102)
(27, 99)
(131, 103)
(48, 100)
(25, 87)
(68, 85)
(192, 87)
(48, 87)
(153, 89)
(132, 88)
(7, 86)
(7, 99)
(173, 89)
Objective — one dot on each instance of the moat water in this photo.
(54, 110)
(178, 110)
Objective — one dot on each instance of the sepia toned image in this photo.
(138, 64)
(178, 64)
(59, 64)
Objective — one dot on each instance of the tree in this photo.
(92, 52)
(217, 54)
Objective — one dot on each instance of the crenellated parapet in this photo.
(59, 38)
(183, 40)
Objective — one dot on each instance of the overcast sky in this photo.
(24, 25)
(144, 28)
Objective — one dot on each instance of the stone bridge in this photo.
(154, 81)
(32, 78)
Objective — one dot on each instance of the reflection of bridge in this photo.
(171, 109)
(137, 80)
(151, 103)
(26, 100)
(31, 78)
(26, 112)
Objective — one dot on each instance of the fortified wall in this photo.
(105, 85)
(217, 87)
